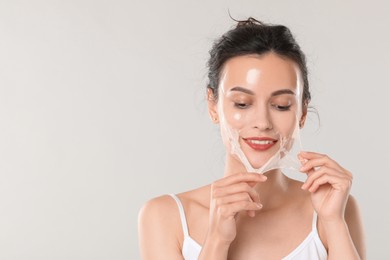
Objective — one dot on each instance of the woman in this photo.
(253, 74)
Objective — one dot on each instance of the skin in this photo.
(250, 216)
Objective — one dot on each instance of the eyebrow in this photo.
(283, 91)
(241, 89)
(276, 93)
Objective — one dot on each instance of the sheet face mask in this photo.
(263, 124)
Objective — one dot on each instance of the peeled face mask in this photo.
(260, 106)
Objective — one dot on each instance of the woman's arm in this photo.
(345, 238)
(329, 185)
(355, 226)
(159, 229)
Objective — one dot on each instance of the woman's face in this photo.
(259, 100)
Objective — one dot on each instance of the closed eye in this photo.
(282, 108)
(241, 105)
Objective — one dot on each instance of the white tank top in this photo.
(310, 249)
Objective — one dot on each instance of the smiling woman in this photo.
(259, 93)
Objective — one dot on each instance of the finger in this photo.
(243, 196)
(251, 213)
(310, 155)
(337, 182)
(301, 159)
(252, 184)
(316, 174)
(241, 187)
(306, 156)
(232, 209)
(241, 177)
(309, 172)
(317, 162)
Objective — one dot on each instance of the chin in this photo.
(259, 159)
(257, 163)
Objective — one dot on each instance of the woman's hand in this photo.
(329, 184)
(230, 196)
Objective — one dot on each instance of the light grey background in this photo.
(102, 108)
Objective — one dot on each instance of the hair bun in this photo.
(248, 22)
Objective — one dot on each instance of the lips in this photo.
(260, 143)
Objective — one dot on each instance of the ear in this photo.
(212, 105)
(304, 114)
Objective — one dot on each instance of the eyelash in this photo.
(241, 105)
(245, 106)
(282, 108)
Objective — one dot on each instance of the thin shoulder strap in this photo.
(182, 215)
(314, 222)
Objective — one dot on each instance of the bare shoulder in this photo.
(158, 229)
(162, 213)
(158, 212)
(354, 221)
(156, 204)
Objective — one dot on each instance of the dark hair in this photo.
(254, 37)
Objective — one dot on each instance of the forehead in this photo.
(267, 72)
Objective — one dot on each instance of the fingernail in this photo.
(259, 205)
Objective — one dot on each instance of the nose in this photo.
(262, 119)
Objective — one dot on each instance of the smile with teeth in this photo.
(260, 143)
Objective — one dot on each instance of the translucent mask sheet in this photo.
(260, 123)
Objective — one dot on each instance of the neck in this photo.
(272, 192)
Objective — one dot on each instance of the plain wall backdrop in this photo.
(102, 107)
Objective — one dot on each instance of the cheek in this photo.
(236, 119)
(233, 117)
(285, 124)
(237, 116)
